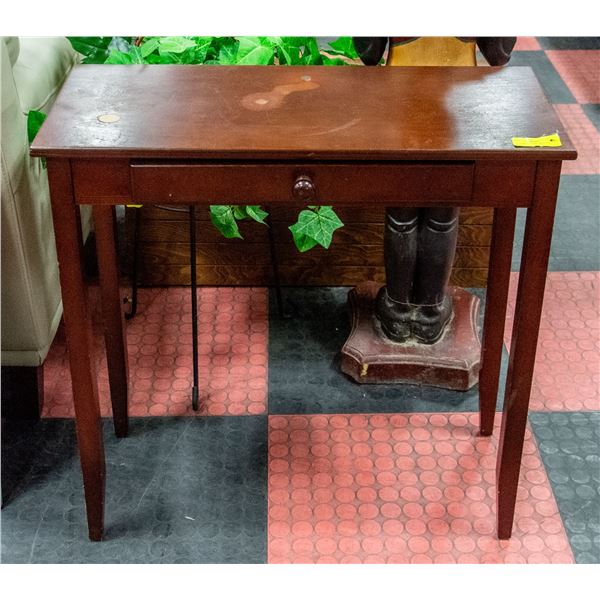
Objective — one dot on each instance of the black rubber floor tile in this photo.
(569, 444)
(178, 490)
(576, 235)
(593, 113)
(27, 459)
(569, 43)
(555, 88)
(304, 373)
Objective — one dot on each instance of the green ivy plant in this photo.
(316, 224)
(225, 217)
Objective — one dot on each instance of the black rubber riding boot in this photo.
(437, 245)
(393, 306)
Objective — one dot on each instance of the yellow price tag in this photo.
(134, 205)
(549, 141)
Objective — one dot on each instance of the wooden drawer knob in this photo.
(304, 189)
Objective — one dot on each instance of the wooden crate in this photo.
(355, 255)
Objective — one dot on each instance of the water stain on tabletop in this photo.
(274, 98)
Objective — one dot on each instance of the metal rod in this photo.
(195, 388)
(275, 265)
(134, 271)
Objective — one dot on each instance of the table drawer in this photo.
(419, 183)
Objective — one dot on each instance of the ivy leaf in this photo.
(334, 61)
(203, 45)
(35, 118)
(317, 225)
(252, 51)
(149, 46)
(223, 219)
(228, 53)
(290, 48)
(187, 57)
(281, 49)
(239, 213)
(116, 57)
(202, 40)
(311, 54)
(175, 44)
(256, 213)
(303, 242)
(215, 48)
(136, 56)
(344, 46)
(159, 59)
(95, 49)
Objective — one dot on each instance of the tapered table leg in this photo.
(80, 345)
(530, 295)
(503, 232)
(114, 322)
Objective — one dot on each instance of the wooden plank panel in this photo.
(348, 214)
(376, 214)
(476, 215)
(259, 275)
(474, 235)
(357, 246)
(216, 275)
(177, 231)
(294, 276)
(469, 277)
(471, 257)
(244, 253)
(351, 233)
(363, 214)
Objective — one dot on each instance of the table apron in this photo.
(459, 183)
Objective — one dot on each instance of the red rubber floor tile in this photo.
(397, 488)
(585, 137)
(580, 70)
(527, 43)
(233, 337)
(567, 364)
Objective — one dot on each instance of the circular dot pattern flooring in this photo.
(401, 489)
(526, 43)
(233, 340)
(580, 70)
(585, 137)
(567, 364)
(570, 447)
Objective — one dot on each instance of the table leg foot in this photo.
(95, 534)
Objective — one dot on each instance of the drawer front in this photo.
(410, 182)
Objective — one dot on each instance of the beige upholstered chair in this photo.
(33, 70)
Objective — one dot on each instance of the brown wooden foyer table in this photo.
(302, 135)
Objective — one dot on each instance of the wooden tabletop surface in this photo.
(350, 113)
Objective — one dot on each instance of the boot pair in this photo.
(402, 321)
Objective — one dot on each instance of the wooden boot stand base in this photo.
(453, 362)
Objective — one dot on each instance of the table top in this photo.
(308, 113)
